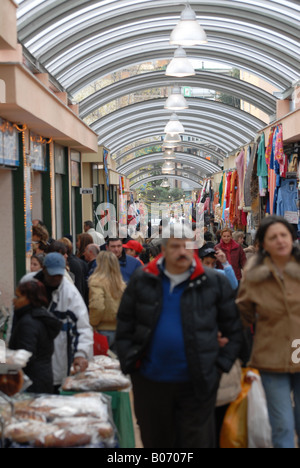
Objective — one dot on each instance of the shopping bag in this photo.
(234, 432)
(100, 344)
(259, 429)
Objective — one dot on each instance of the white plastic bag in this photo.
(259, 429)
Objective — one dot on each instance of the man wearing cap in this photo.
(134, 249)
(210, 256)
(74, 344)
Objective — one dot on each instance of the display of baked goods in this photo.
(101, 362)
(11, 382)
(103, 374)
(53, 421)
(96, 380)
(11, 374)
(106, 362)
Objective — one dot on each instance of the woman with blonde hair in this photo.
(106, 287)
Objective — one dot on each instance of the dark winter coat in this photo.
(207, 306)
(34, 329)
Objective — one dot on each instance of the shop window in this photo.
(9, 150)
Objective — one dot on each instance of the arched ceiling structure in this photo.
(201, 147)
(194, 184)
(139, 179)
(81, 41)
(206, 119)
(209, 80)
(149, 159)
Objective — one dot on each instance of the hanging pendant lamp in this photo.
(176, 101)
(174, 126)
(167, 167)
(165, 183)
(188, 32)
(180, 66)
(169, 154)
(172, 138)
(168, 157)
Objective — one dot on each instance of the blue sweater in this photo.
(165, 360)
(128, 265)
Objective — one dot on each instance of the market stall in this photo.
(93, 409)
(261, 179)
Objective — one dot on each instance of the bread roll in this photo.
(10, 384)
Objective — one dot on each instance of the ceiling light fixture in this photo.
(165, 183)
(174, 126)
(170, 156)
(172, 139)
(180, 66)
(188, 32)
(176, 100)
(167, 167)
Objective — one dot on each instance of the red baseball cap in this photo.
(133, 245)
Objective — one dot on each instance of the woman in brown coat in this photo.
(269, 298)
(106, 287)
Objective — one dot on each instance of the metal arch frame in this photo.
(210, 80)
(64, 54)
(47, 14)
(243, 120)
(117, 61)
(206, 118)
(91, 68)
(212, 138)
(187, 144)
(179, 171)
(142, 13)
(148, 159)
(164, 8)
(194, 184)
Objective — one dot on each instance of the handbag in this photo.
(100, 344)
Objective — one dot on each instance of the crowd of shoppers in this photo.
(176, 317)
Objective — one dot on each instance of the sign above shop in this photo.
(86, 191)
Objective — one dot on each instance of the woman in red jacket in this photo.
(234, 252)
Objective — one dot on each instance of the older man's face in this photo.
(177, 255)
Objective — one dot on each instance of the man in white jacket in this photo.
(74, 344)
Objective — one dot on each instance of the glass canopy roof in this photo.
(79, 42)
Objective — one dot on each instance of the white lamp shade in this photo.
(180, 66)
(170, 156)
(174, 126)
(188, 31)
(174, 138)
(167, 167)
(168, 146)
(176, 101)
(165, 183)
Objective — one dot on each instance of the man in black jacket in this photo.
(167, 338)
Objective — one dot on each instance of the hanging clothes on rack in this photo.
(228, 189)
(240, 165)
(233, 207)
(270, 151)
(251, 152)
(287, 202)
(262, 167)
